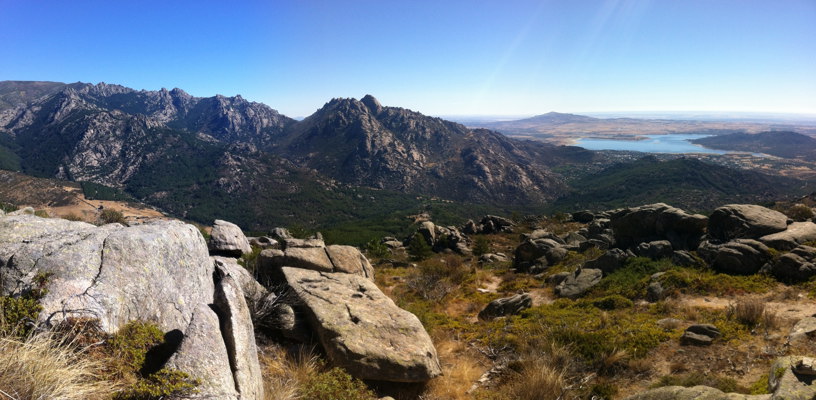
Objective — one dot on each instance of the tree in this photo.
(418, 248)
(481, 246)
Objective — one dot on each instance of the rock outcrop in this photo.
(740, 256)
(227, 239)
(361, 329)
(745, 221)
(538, 252)
(636, 225)
(799, 265)
(578, 282)
(487, 225)
(506, 306)
(314, 255)
(795, 234)
(159, 271)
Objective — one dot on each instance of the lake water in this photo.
(675, 143)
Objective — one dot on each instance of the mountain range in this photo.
(226, 157)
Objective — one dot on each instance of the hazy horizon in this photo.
(438, 58)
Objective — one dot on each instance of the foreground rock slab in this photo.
(361, 329)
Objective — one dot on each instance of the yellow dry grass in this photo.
(38, 367)
(461, 368)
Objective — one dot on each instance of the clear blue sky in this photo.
(439, 57)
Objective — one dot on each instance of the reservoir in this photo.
(673, 143)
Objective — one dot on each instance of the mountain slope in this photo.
(226, 157)
(782, 144)
(17, 93)
(684, 182)
(363, 143)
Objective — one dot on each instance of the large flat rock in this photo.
(797, 233)
(361, 329)
(745, 221)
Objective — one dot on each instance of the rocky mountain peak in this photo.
(372, 103)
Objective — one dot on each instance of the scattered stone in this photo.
(583, 217)
(227, 239)
(280, 234)
(655, 291)
(610, 261)
(490, 258)
(745, 221)
(489, 224)
(542, 252)
(264, 242)
(578, 282)
(805, 366)
(805, 329)
(555, 279)
(705, 329)
(506, 306)
(361, 329)
(700, 335)
(683, 258)
(655, 250)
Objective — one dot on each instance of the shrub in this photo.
(335, 384)
(612, 302)
(72, 217)
(481, 246)
(129, 351)
(111, 216)
(418, 248)
(40, 367)
(161, 385)
(42, 214)
(376, 249)
(753, 313)
(18, 315)
(798, 212)
(631, 280)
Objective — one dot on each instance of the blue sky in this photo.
(438, 57)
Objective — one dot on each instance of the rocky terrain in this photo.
(226, 157)
(648, 302)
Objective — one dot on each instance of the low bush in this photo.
(111, 216)
(707, 282)
(335, 384)
(375, 249)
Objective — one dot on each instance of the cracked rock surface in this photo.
(159, 272)
(361, 329)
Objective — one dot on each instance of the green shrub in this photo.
(129, 348)
(481, 246)
(418, 248)
(161, 385)
(18, 315)
(708, 282)
(374, 248)
(111, 216)
(250, 261)
(42, 214)
(131, 343)
(760, 386)
(7, 207)
(335, 384)
(613, 302)
(631, 280)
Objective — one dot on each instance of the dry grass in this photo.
(39, 367)
(538, 380)
(284, 373)
(753, 313)
(461, 368)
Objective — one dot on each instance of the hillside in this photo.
(777, 143)
(199, 158)
(686, 182)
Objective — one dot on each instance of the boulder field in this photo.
(165, 272)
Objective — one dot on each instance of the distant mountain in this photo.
(685, 182)
(16, 93)
(555, 118)
(202, 158)
(781, 144)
